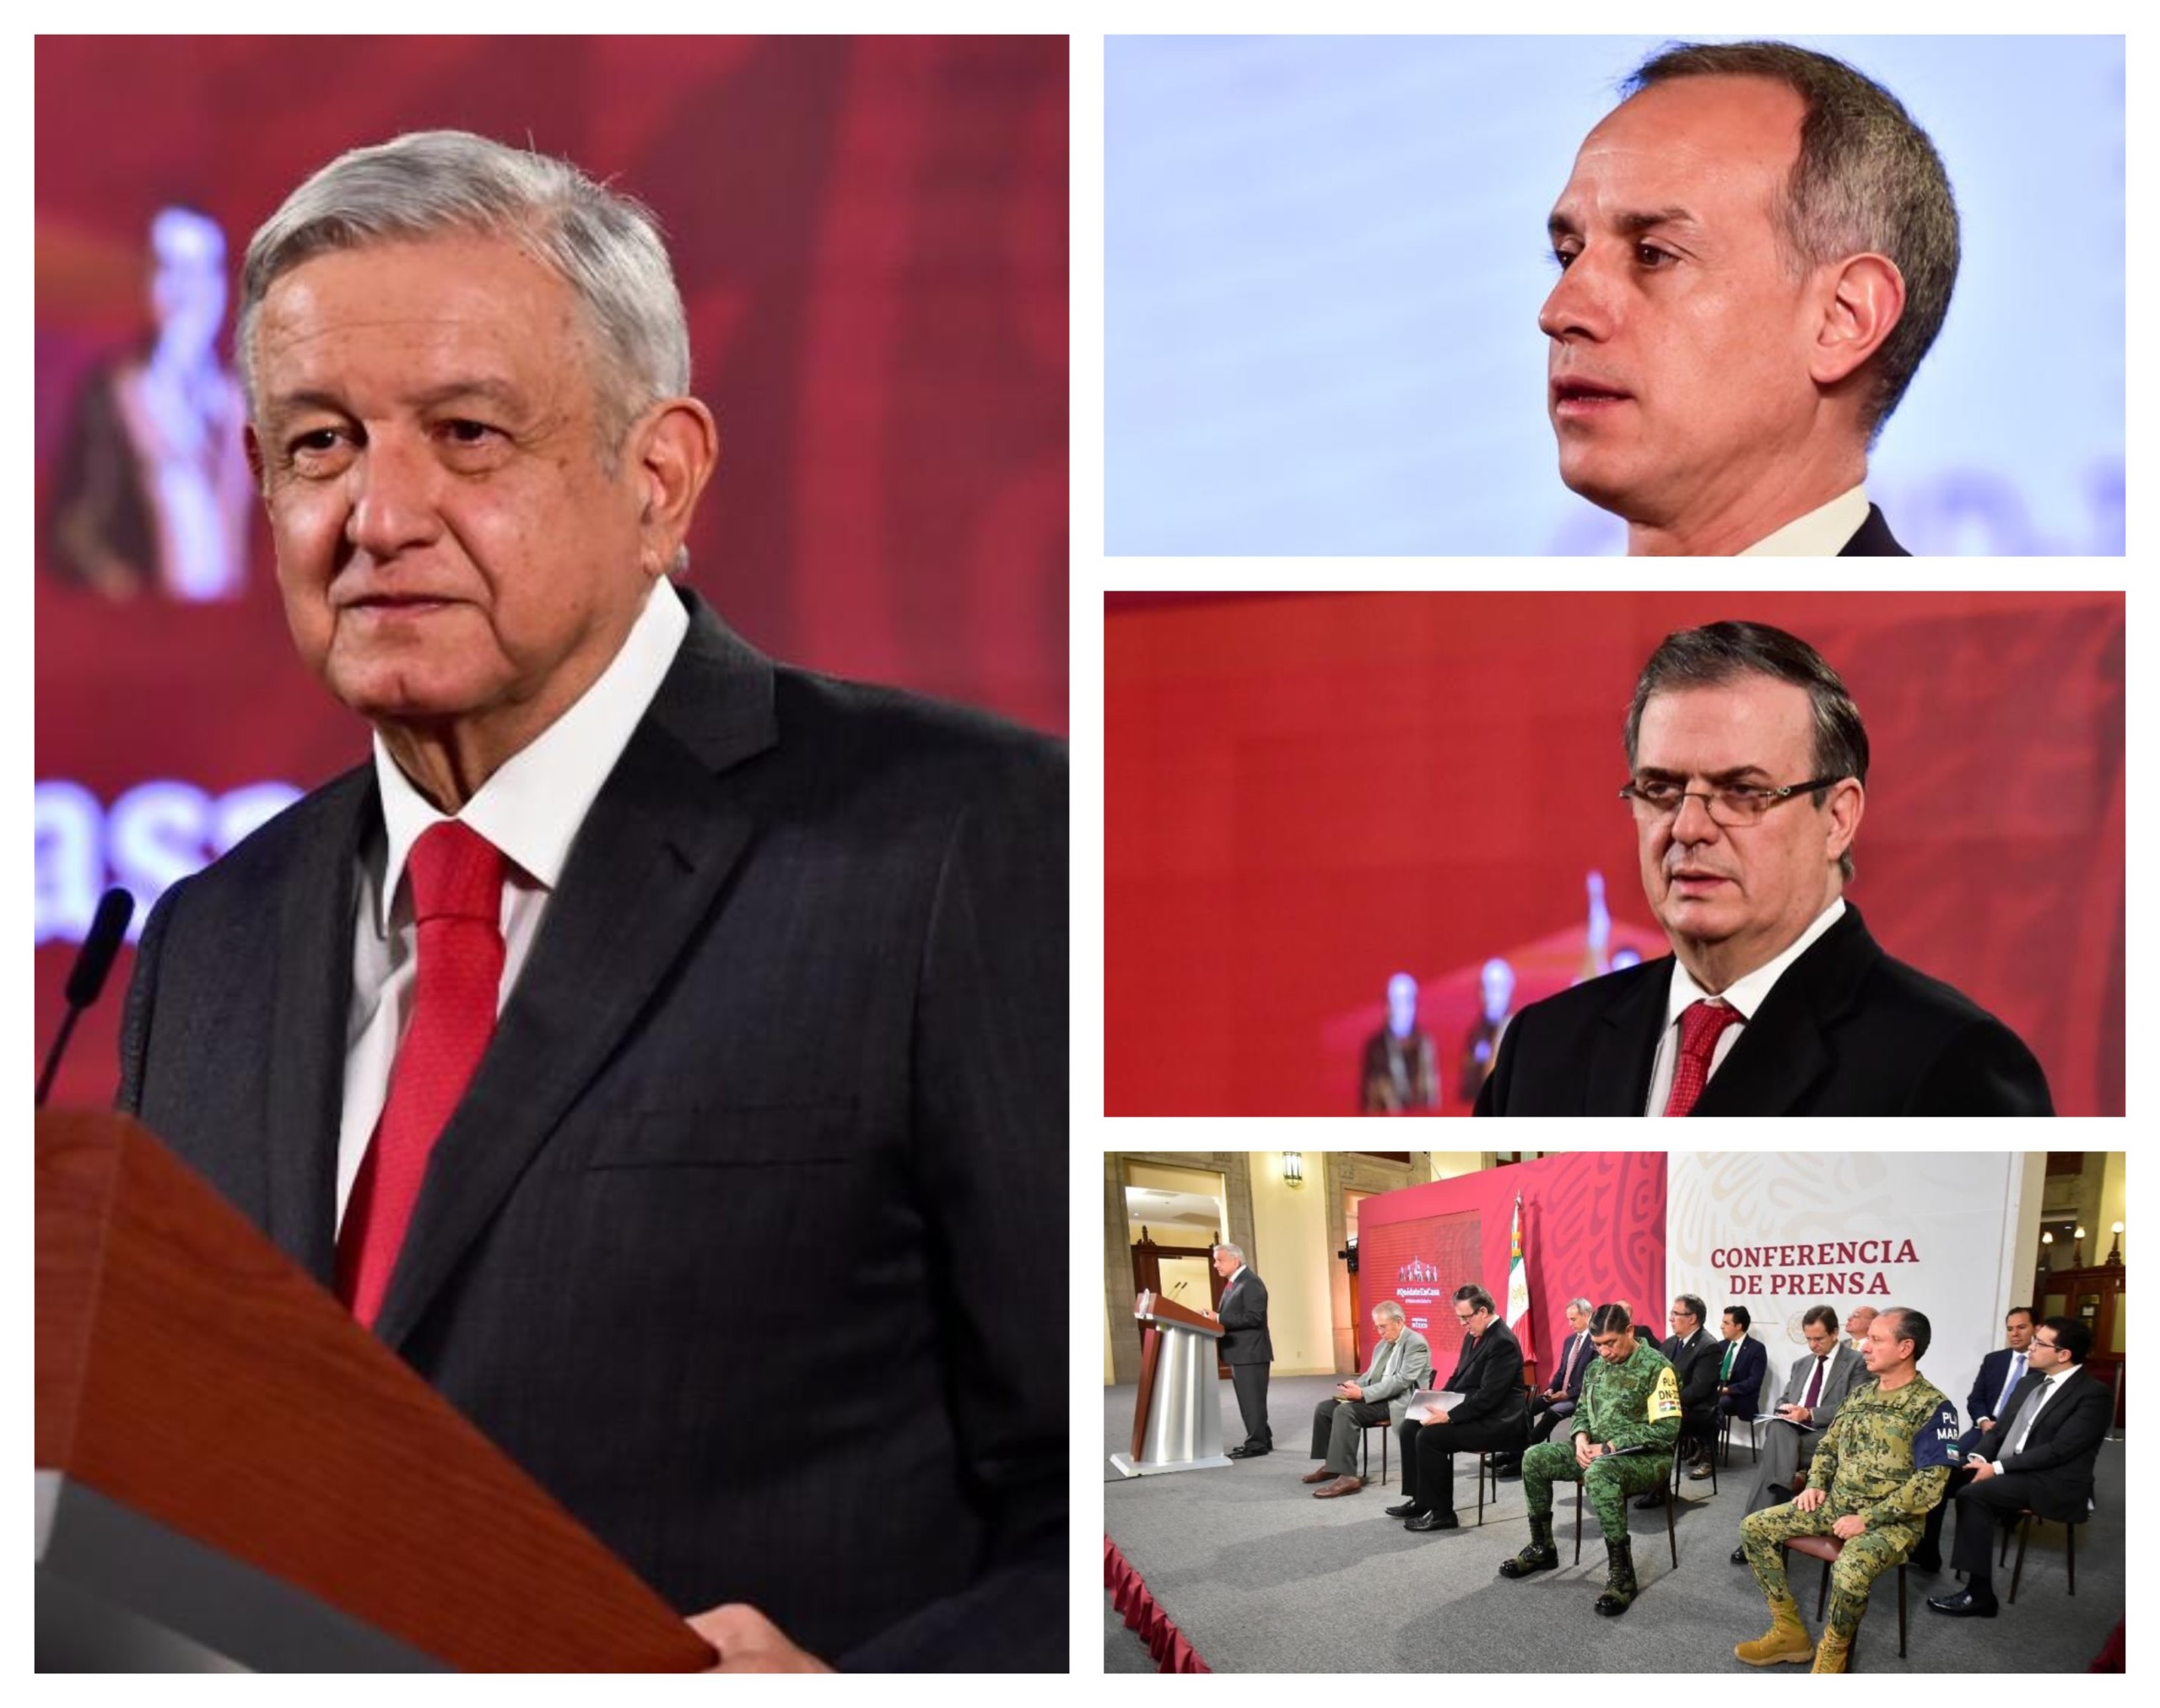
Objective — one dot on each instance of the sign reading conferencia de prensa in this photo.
(1781, 1232)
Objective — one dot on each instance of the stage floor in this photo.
(1262, 1578)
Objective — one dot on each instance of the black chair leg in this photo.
(1822, 1591)
(2069, 1538)
(2024, 1524)
(1901, 1609)
(1481, 1491)
(1672, 1541)
(1579, 1520)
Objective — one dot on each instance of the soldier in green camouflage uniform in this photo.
(1881, 1464)
(1631, 1398)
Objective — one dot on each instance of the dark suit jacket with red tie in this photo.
(1846, 1030)
(743, 1239)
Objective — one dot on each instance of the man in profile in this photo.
(1820, 1379)
(1491, 1414)
(1549, 1405)
(1246, 1347)
(2001, 1372)
(1748, 772)
(640, 991)
(1877, 1470)
(1756, 248)
(1693, 1353)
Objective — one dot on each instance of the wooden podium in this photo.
(233, 1475)
(1177, 1424)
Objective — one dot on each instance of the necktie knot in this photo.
(457, 873)
(1701, 1024)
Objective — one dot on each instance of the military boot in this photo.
(1787, 1638)
(1830, 1654)
(1540, 1556)
(1619, 1577)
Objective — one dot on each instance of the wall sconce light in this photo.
(2115, 1251)
(1293, 1168)
(2078, 1252)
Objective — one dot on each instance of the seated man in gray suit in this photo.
(1821, 1379)
(1402, 1363)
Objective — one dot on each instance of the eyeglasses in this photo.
(1735, 806)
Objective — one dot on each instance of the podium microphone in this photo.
(93, 961)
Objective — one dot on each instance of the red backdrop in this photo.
(1593, 1225)
(1307, 793)
(871, 239)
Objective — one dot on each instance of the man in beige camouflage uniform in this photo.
(1879, 1468)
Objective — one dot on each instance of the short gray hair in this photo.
(1237, 1251)
(606, 247)
(1581, 1305)
(1389, 1308)
(1867, 181)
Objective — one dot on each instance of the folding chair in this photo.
(1827, 1548)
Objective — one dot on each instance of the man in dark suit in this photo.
(1548, 1406)
(2001, 1373)
(1694, 1354)
(640, 987)
(1700, 385)
(1245, 1348)
(2041, 1456)
(1492, 1412)
(1741, 1362)
(1821, 1378)
(1747, 770)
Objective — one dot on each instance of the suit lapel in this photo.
(1781, 1053)
(1623, 1049)
(643, 877)
(305, 1086)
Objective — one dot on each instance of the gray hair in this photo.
(1716, 653)
(1389, 1308)
(606, 247)
(1867, 181)
(1581, 1305)
(1237, 1251)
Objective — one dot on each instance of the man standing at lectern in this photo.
(639, 981)
(1748, 770)
(1245, 1348)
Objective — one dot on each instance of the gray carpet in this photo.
(1262, 1578)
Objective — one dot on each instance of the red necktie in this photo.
(457, 891)
(1700, 1023)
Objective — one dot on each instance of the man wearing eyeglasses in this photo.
(1493, 1414)
(1748, 773)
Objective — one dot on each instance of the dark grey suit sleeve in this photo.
(2078, 1434)
(1248, 1309)
(990, 1112)
(141, 1004)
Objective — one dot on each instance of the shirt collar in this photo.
(1747, 992)
(531, 808)
(1823, 533)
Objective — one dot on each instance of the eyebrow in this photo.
(1733, 775)
(500, 392)
(1558, 225)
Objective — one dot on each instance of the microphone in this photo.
(93, 962)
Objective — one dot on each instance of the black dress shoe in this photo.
(1408, 1509)
(1740, 1556)
(1434, 1520)
(1965, 1605)
(1241, 1453)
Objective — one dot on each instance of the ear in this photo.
(1848, 801)
(1866, 298)
(676, 451)
(253, 446)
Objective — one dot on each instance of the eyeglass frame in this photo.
(1630, 793)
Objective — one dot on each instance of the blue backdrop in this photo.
(1325, 258)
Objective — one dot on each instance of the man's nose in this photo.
(1581, 302)
(1693, 822)
(392, 485)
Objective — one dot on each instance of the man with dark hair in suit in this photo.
(1246, 1347)
(1549, 1405)
(637, 979)
(2040, 1455)
(1756, 250)
(1491, 1414)
(2000, 1373)
(1741, 1364)
(1748, 770)
(1694, 1355)
(1821, 1378)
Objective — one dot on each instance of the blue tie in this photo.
(2017, 1376)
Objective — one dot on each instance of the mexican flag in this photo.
(1517, 1311)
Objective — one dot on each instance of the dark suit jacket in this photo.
(1743, 1392)
(1488, 1375)
(1846, 1030)
(724, 1242)
(1695, 1364)
(1873, 539)
(1987, 1385)
(1559, 1372)
(1244, 1312)
(2058, 1458)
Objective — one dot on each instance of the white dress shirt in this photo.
(1823, 533)
(530, 809)
(1745, 994)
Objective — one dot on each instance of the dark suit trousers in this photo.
(1428, 1452)
(1982, 1506)
(1545, 1418)
(1337, 1425)
(1786, 1453)
(1250, 1380)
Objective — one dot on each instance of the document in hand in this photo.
(1427, 1401)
